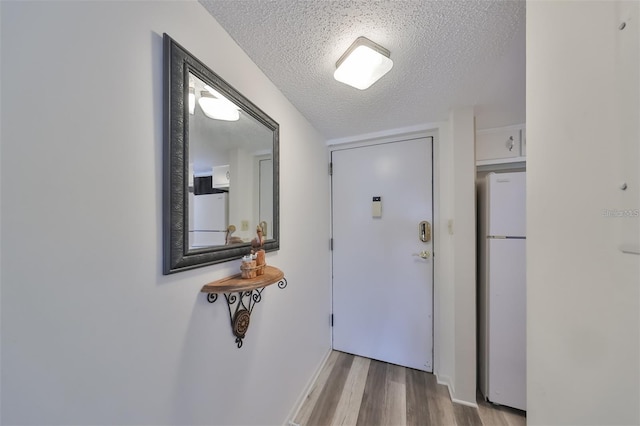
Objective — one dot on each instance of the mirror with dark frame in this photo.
(221, 167)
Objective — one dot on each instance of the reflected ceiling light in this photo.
(363, 64)
(218, 109)
(218, 95)
(192, 100)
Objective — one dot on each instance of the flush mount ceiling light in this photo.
(363, 64)
(218, 107)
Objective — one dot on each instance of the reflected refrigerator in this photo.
(502, 288)
(210, 213)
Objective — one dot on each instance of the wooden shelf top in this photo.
(235, 283)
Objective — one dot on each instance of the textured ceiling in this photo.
(445, 54)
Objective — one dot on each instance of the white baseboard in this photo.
(301, 399)
(444, 380)
(467, 403)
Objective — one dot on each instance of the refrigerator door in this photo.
(209, 219)
(507, 323)
(507, 195)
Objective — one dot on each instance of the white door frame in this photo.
(431, 132)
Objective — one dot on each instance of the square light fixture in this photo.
(215, 105)
(218, 108)
(363, 64)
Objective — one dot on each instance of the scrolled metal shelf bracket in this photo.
(282, 283)
(240, 305)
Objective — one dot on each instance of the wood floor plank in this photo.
(498, 415)
(466, 416)
(491, 417)
(327, 403)
(310, 402)
(488, 414)
(513, 417)
(441, 411)
(351, 390)
(417, 400)
(374, 394)
(346, 413)
(396, 373)
(394, 412)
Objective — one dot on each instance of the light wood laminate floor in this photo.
(351, 390)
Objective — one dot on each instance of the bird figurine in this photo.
(256, 248)
(232, 240)
(258, 242)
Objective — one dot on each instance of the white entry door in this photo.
(382, 288)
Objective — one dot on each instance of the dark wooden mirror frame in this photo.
(178, 63)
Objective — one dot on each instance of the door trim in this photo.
(433, 135)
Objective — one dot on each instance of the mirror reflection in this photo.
(221, 167)
(230, 177)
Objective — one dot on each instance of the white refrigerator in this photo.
(209, 220)
(502, 289)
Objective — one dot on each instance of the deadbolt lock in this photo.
(424, 231)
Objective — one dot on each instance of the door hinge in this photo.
(331, 244)
(331, 320)
(330, 169)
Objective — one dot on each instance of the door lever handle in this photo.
(425, 254)
(424, 230)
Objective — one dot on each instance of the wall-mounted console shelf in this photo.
(241, 295)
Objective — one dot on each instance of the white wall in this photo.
(583, 310)
(463, 258)
(501, 101)
(443, 278)
(92, 332)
